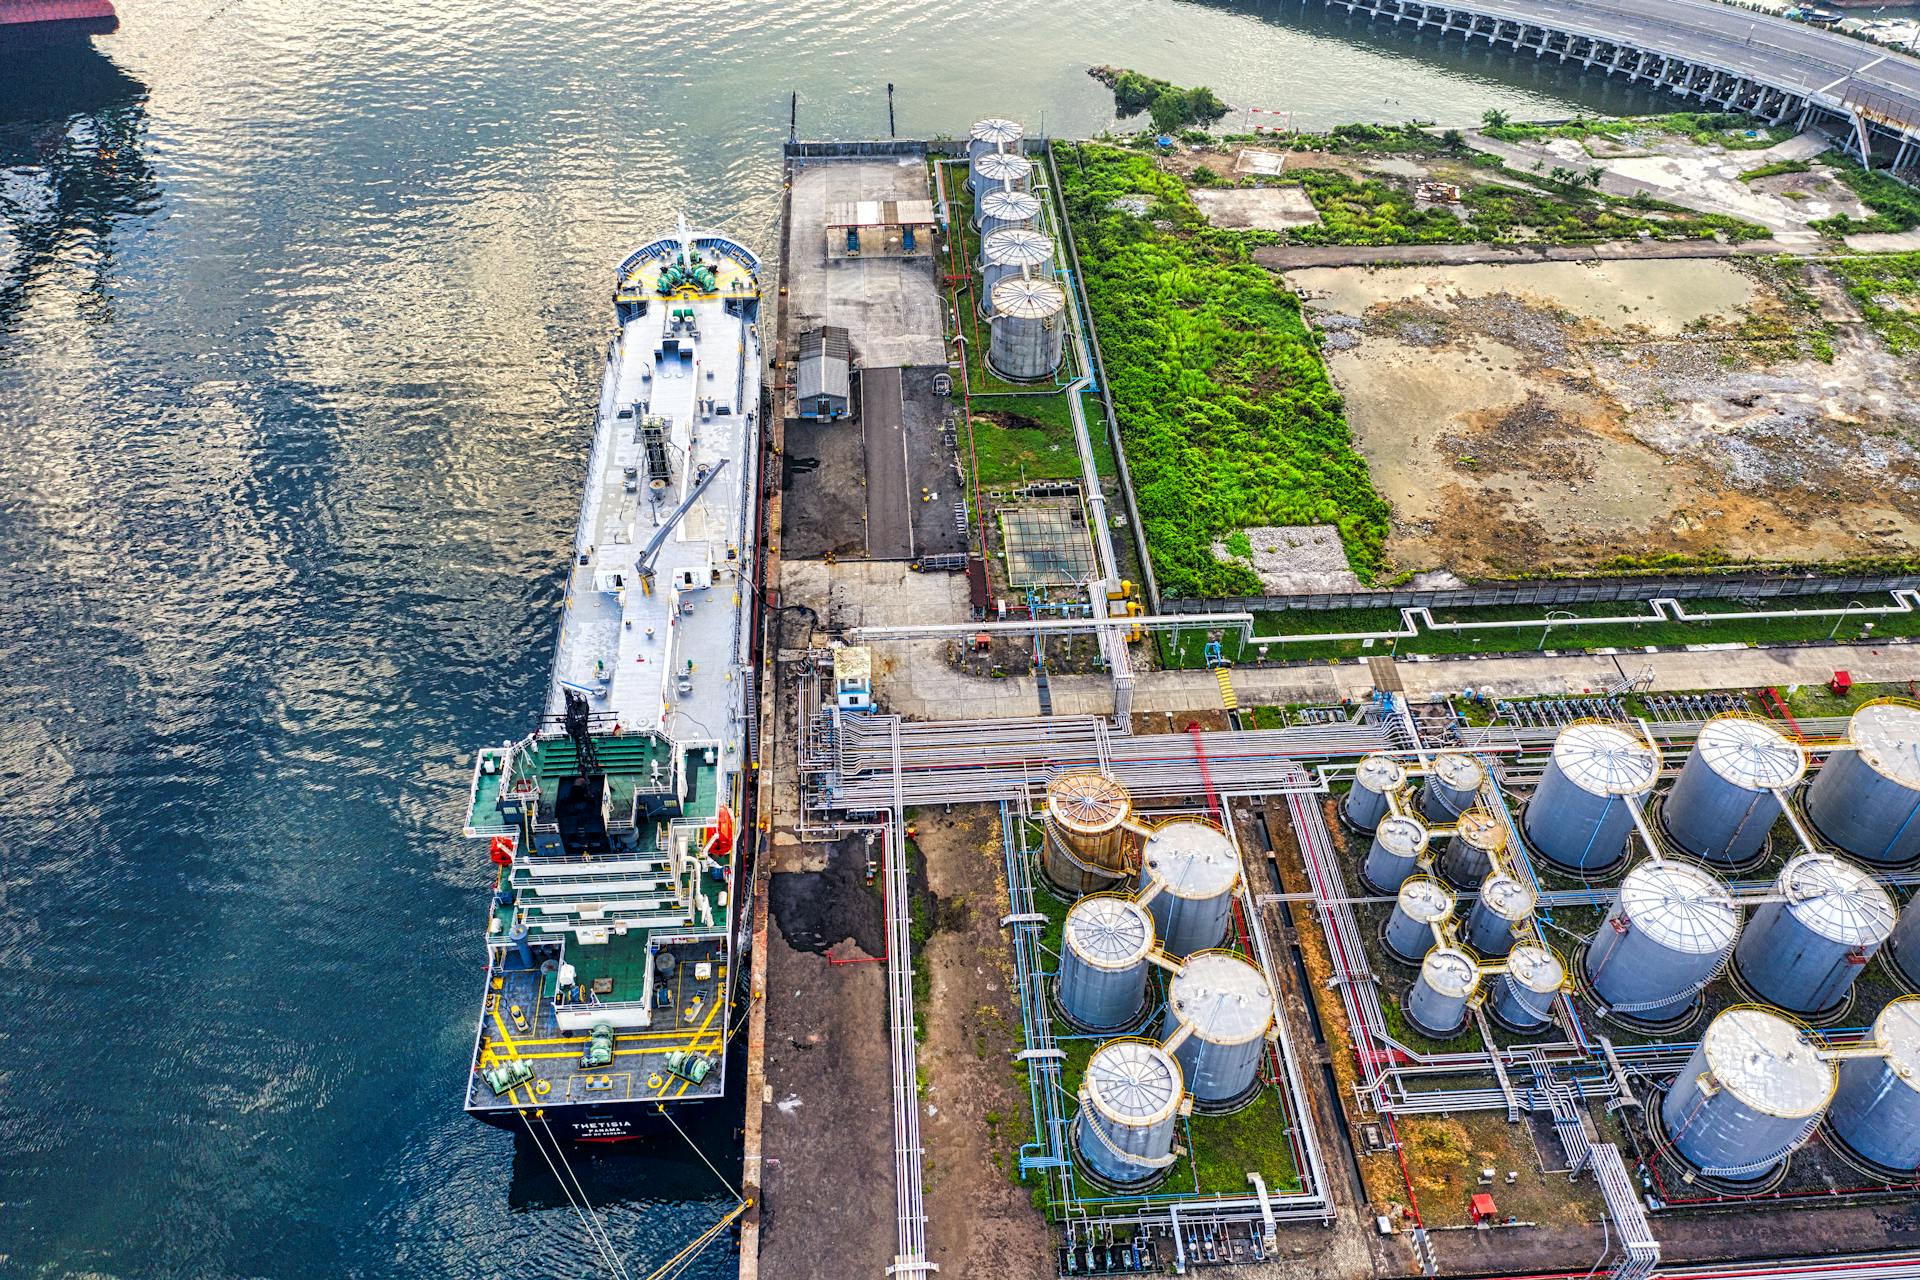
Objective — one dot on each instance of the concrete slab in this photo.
(890, 307)
(889, 521)
(1262, 208)
(933, 464)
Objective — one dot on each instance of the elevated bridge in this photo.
(1723, 57)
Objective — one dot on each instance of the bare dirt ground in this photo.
(1262, 208)
(1557, 415)
(980, 1221)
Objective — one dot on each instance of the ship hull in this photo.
(41, 23)
(608, 1122)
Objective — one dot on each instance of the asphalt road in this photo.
(889, 502)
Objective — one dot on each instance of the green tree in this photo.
(1493, 118)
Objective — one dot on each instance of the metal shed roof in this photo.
(825, 365)
(880, 213)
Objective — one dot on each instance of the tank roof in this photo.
(1223, 995)
(1025, 298)
(1481, 830)
(1009, 206)
(1506, 897)
(1450, 972)
(1002, 165)
(1109, 930)
(1133, 1082)
(1379, 773)
(1459, 770)
(1536, 968)
(1836, 899)
(1761, 1059)
(1087, 803)
(1682, 907)
(997, 130)
(1400, 834)
(1425, 899)
(1887, 736)
(1750, 753)
(1605, 759)
(1898, 1028)
(1191, 859)
(1017, 247)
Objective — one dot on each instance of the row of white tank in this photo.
(1025, 307)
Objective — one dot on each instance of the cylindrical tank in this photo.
(1804, 951)
(1452, 787)
(1130, 1101)
(1029, 326)
(1003, 210)
(1225, 1002)
(997, 169)
(1503, 906)
(1437, 1001)
(1522, 998)
(1578, 817)
(1373, 780)
(1478, 838)
(1085, 847)
(1664, 938)
(1903, 948)
(1398, 843)
(994, 134)
(1751, 1092)
(1421, 903)
(1103, 962)
(1867, 800)
(1010, 253)
(1722, 805)
(1188, 872)
(1876, 1105)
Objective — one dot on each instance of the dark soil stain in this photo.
(816, 909)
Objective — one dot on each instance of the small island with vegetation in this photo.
(1167, 105)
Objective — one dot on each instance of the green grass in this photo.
(1226, 1148)
(1895, 205)
(1040, 444)
(1886, 287)
(1723, 128)
(1775, 169)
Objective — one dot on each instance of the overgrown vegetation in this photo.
(1896, 206)
(1170, 107)
(1017, 438)
(1887, 289)
(1726, 129)
(1775, 169)
(1226, 410)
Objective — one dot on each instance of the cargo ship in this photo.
(617, 827)
(33, 23)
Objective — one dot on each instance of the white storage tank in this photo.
(1722, 805)
(1498, 915)
(1103, 962)
(1523, 996)
(1009, 254)
(1131, 1098)
(1374, 779)
(994, 134)
(1438, 1000)
(1452, 787)
(1004, 210)
(1803, 951)
(1752, 1091)
(1421, 903)
(1026, 337)
(1188, 872)
(1478, 840)
(1578, 817)
(1903, 948)
(1399, 842)
(997, 170)
(1867, 800)
(1876, 1105)
(1219, 1010)
(1085, 847)
(1663, 939)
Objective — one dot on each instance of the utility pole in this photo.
(890, 132)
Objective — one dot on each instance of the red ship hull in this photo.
(40, 22)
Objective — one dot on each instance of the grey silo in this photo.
(1804, 950)
(1522, 997)
(1004, 210)
(1437, 1001)
(1478, 840)
(1663, 939)
(1752, 1091)
(1722, 805)
(1007, 254)
(994, 134)
(1026, 337)
(1188, 872)
(1131, 1097)
(1876, 1104)
(1502, 909)
(1452, 786)
(1103, 962)
(1903, 947)
(1374, 779)
(1421, 903)
(1578, 817)
(1399, 842)
(1866, 799)
(1224, 1007)
(994, 170)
